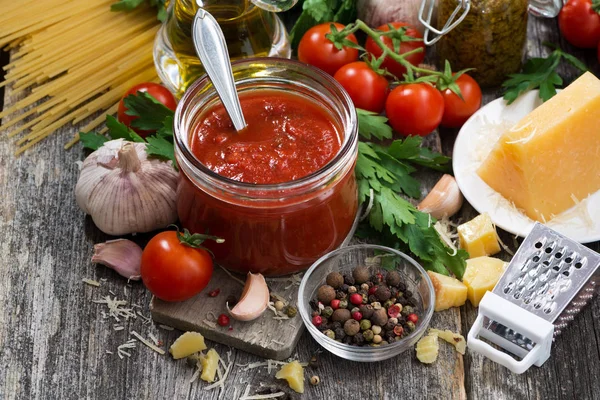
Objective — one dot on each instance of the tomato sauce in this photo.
(288, 137)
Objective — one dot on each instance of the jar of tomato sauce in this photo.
(282, 193)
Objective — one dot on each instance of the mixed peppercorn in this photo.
(362, 309)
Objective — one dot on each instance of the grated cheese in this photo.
(118, 327)
(103, 279)
(130, 344)
(145, 320)
(109, 352)
(111, 292)
(91, 282)
(277, 342)
(154, 339)
(147, 343)
(116, 309)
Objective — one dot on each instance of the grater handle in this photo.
(500, 310)
(499, 357)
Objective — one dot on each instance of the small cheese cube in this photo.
(187, 344)
(478, 237)
(449, 292)
(293, 373)
(481, 275)
(209, 362)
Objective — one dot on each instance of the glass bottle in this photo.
(491, 38)
(250, 31)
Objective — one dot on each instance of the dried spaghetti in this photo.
(72, 59)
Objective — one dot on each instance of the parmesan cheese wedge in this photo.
(187, 344)
(551, 157)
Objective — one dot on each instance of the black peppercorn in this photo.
(344, 288)
(401, 286)
(348, 279)
(390, 336)
(358, 339)
(412, 301)
(335, 280)
(366, 310)
(372, 298)
(339, 333)
(341, 295)
(389, 326)
(383, 293)
(360, 274)
(335, 325)
(402, 301)
(407, 293)
(313, 304)
(325, 294)
(347, 339)
(392, 278)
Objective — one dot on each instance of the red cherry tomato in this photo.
(580, 24)
(159, 92)
(367, 89)
(415, 109)
(173, 271)
(389, 64)
(456, 110)
(315, 49)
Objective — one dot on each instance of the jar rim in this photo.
(349, 126)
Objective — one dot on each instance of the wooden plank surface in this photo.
(53, 338)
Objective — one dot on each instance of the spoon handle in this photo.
(212, 49)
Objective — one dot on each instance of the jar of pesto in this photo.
(490, 38)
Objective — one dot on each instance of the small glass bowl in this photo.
(376, 258)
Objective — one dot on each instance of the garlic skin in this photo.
(125, 191)
(254, 299)
(122, 255)
(444, 200)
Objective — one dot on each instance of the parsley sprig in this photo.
(128, 5)
(384, 176)
(540, 73)
(151, 116)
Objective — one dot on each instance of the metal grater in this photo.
(548, 281)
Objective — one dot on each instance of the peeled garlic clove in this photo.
(254, 299)
(444, 200)
(125, 191)
(122, 255)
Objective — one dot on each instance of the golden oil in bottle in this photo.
(249, 31)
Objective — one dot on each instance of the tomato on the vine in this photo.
(456, 110)
(159, 92)
(415, 109)
(315, 49)
(367, 89)
(174, 267)
(580, 24)
(389, 64)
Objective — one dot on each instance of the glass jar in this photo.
(249, 30)
(273, 229)
(491, 38)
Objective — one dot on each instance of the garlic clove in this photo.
(444, 200)
(254, 299)
(126, 192)
(122, 255)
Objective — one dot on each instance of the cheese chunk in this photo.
(551, 158)
(187, 344)
(481, 275)
(449, 292)
(479, 237)
(293, 373)
(209, 362)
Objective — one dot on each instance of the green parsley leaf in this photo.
(125, 5)
(161, 148)
(150, 112)
(118, 130)
(166, 130)
(410, 149)
(372, 125)
(92, 140)
(540, 73)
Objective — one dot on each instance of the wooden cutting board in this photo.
(266, 336)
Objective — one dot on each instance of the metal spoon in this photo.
(212, 49)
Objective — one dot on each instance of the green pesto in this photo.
(490, 39)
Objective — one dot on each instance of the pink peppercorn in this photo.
(335, 304)
(356, 299)
(413, 318)
(357, 315)
(317, 320)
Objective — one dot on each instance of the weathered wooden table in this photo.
(54, 341)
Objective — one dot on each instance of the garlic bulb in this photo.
(444, 200)
(125, 191)
(379, 12)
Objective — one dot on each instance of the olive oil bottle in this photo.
(250, 31)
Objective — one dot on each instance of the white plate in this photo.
(474, 142)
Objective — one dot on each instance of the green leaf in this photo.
(166, 130)
(151, 113)
(574, 61)
(372, 125)
(118, 130)
(161, 148)
(92, 140)
(125, 5)
(411, 149)
(346, 12)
